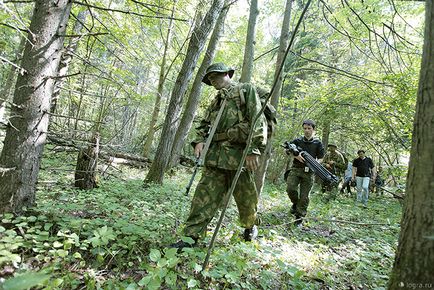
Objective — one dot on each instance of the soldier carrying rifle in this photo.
(300, 173)
(232, 112)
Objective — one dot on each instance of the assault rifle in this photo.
(326, 176)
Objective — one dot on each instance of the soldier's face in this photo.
(308, 131)
(218, 80)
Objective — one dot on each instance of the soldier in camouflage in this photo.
(224, 155)
(334, 162)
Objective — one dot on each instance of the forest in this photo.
(99, 105)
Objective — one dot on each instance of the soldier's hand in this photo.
(198, 149)
(252, 162)
(299, 158)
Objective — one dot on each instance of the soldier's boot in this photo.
(250, 234)
(181, 244)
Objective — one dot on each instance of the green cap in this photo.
(217, 67)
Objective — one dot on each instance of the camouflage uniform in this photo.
(336, 168)
(224, 156)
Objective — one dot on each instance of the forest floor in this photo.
(116, 237)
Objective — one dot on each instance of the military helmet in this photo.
(217, 67)
(332, 145)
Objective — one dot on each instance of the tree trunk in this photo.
(193, 100)
(274, 99)
(162, 79)
(26, 134)
(326, 132)
(414, 261)
(87, 162)
(246, 73)
(195, 46)
(66, 58)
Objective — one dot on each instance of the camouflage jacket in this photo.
(339, 166)
(232, 131)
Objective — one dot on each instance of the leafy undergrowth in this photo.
(115, 237)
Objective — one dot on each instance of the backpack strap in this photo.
(240, 101)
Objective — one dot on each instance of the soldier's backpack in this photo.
(269, 112)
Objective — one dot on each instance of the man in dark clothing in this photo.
(363, 170)
(300, 174)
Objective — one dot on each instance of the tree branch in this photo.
(357, 77)
(127, 12)
(21, 70)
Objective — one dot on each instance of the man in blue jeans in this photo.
(363, 170)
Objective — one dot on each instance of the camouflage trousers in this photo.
(300, 201)
(330, 192)
(209, 196)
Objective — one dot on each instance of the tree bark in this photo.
(193, 100)
(249, 49)
(414, 261)
(326, 132)
(26, 134)
(195, 46)
(66, 59)
(150, 134)
(87, 162)
(274, 99)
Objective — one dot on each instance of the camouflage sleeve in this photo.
(326, 158)
(203, 129)
(340, 163)
(253, 106)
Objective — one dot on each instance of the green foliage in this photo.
(116, 237)
(363, 82)
(25, 281)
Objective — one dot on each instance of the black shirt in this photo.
(313, 146)
(363, 166)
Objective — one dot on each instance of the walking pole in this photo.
(201, 157)
(249, 140)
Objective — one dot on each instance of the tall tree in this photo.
(274, 99)
(195, 46)
(249, 49)
(414, 261)
(161, 81)
(66, 58)
(26, 133)
(196, 89)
